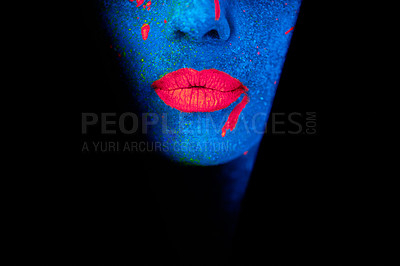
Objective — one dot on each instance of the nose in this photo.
(201, 19)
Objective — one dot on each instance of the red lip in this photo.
(189, 90)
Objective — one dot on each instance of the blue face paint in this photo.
(247, 40)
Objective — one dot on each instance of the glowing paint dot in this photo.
(245, 153)
(139, 2)
(165, 21)
(145, 31)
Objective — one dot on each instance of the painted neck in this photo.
(201, 205)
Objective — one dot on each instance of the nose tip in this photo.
(201, 20)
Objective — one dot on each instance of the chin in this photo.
(190, 142)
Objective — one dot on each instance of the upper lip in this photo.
(220, 86)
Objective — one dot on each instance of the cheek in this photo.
(139, 33)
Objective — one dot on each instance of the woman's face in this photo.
(202, 72)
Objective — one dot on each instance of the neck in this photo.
(201, 204)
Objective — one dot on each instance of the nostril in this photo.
(212, 34)
(179, 34)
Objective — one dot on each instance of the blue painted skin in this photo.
(248, 42)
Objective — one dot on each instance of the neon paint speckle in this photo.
(217, 9)
(139, 2)
(145, 31)
(289, 30)
(234, 116)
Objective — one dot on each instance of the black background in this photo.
(305, 202)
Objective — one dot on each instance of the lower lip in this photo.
(188, 90)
